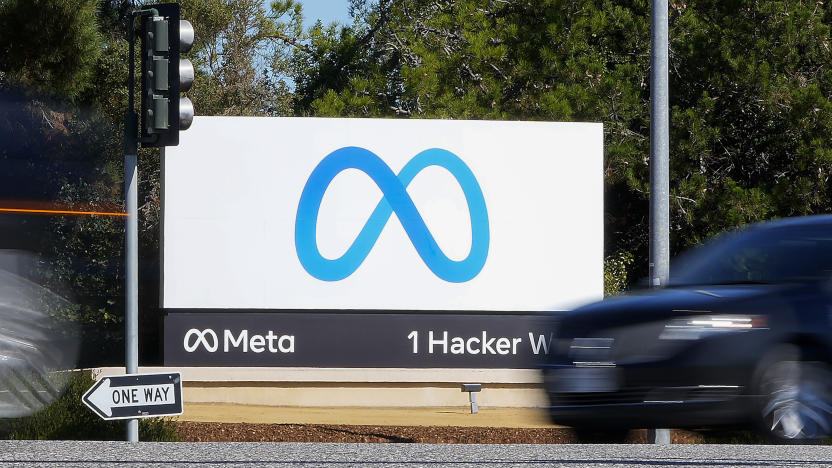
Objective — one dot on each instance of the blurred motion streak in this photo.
(35, 346)
(59, 208)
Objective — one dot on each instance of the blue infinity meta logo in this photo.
(395, 199)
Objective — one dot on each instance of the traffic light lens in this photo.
(186, 75)
(186, 113)
(186, 35)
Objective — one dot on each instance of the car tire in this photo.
(795, 392)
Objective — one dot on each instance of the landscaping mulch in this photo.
(245, 432)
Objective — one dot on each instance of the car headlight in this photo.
(698, 327)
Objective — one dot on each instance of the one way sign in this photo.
(136, 396)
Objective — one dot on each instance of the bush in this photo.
(69, 419)
(615, 272)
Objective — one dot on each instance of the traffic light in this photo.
(165, 75)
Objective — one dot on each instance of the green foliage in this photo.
(751, 114)
(238, 71)
(615, 272)
(49, 46)
(86, 257)
(750, 94)
(69, 419)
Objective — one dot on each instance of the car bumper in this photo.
(609, 397)
(647, 415)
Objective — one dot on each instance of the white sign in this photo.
(135, 396)
(348, 214)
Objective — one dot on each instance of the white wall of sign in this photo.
(232, 190)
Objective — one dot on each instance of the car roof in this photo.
(798, 221)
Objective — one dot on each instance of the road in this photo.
(181, 454)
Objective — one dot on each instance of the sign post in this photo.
(659, 164)
(164, 114)
(136, 396)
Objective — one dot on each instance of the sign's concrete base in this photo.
(353, 387)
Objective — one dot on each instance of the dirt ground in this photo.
(209, 422)
(246, 432)
(358, 416)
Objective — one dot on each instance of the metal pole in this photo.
(131, 321)
(659, 164)
(131, 251)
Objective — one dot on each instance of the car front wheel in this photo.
(796, 397)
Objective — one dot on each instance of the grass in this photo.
(67, 418)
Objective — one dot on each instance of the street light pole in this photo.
(131, 229)
(131, 347)
(131, 321)
(659, 163)
(164, 114)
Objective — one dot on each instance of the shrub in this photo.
(615, 272)
(67, 418)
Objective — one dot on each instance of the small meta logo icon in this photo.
(202, 338)
(395, 199)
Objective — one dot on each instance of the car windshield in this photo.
(773, 255)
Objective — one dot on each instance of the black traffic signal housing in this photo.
(165, 75)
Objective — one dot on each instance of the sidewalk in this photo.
(487, 417)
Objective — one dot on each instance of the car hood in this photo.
(658, 304)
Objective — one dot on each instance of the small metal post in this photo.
(472, 389)
(658, 436)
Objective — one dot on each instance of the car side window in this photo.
(769, 256)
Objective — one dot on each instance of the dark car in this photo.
(741, 336)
